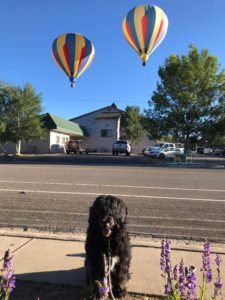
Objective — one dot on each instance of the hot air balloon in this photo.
(145, 27)
(73, 53)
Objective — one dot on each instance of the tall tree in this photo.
(2, 109)
(190, 96)
(132, 124)
(20, 114)
(214, 133)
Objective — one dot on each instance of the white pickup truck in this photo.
(121, 146)
(163, 150)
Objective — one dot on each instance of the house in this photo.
(98, 129)
(103, 127)
(58, 132)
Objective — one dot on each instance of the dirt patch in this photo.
(43, 291)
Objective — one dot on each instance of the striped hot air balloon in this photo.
(73, 53)
(145, 27)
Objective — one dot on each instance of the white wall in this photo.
(94, 127)
(57, 142)
(36, 146)
(9, 147)
(54, 142)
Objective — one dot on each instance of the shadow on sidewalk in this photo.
(67, 285)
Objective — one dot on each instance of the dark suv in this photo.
(75, 147)
(200, 150)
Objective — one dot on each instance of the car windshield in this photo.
(158, 145)
(122, 142)
(179, 145)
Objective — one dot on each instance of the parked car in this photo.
(121, 146)
(165, 153)
(223, 151)
(218, 150)
(162, 150)
(204, 150)
(200, 150)
(208, 150)
(75, 146)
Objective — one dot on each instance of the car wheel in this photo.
(127, 153)
(113, 152)
(161, 156)
(67, 151)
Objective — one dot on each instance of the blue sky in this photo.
(28, 28)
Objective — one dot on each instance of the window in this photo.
(106, 133)
(57, 139)
(65, 139)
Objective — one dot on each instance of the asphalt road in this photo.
(172, 202)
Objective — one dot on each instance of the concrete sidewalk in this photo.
(54, 258)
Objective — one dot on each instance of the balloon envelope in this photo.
(145, 27)
(73, 53)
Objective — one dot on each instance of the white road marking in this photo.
(125, 169)
(112, 186)
(148, 187)
(175, 227)
(130, 216)
(44, 212)
(36, 182)
(117, 195)
(177, 219)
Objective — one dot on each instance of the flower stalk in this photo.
(7, 278)
(103, 285)
(206, 270)
(217, 283)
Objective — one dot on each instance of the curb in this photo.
(136, 242)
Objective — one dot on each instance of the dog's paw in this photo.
(96, 297)
(119, 292)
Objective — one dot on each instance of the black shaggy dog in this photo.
(107, 235)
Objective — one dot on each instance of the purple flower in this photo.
(218, 284)
(175, 272)
(191, 284)
(167, 268)
(165, 265)
(167, 257)
(181, 279)
(206, 266)
(162, 258)
(104, 288)
(167, 289)
(217, 287)
(8, 278)
(218, 260)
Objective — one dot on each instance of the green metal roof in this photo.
(54, 122)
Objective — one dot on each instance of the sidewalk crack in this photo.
(21, 246)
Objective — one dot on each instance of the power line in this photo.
(92, 100)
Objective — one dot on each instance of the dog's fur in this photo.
(107, 232)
